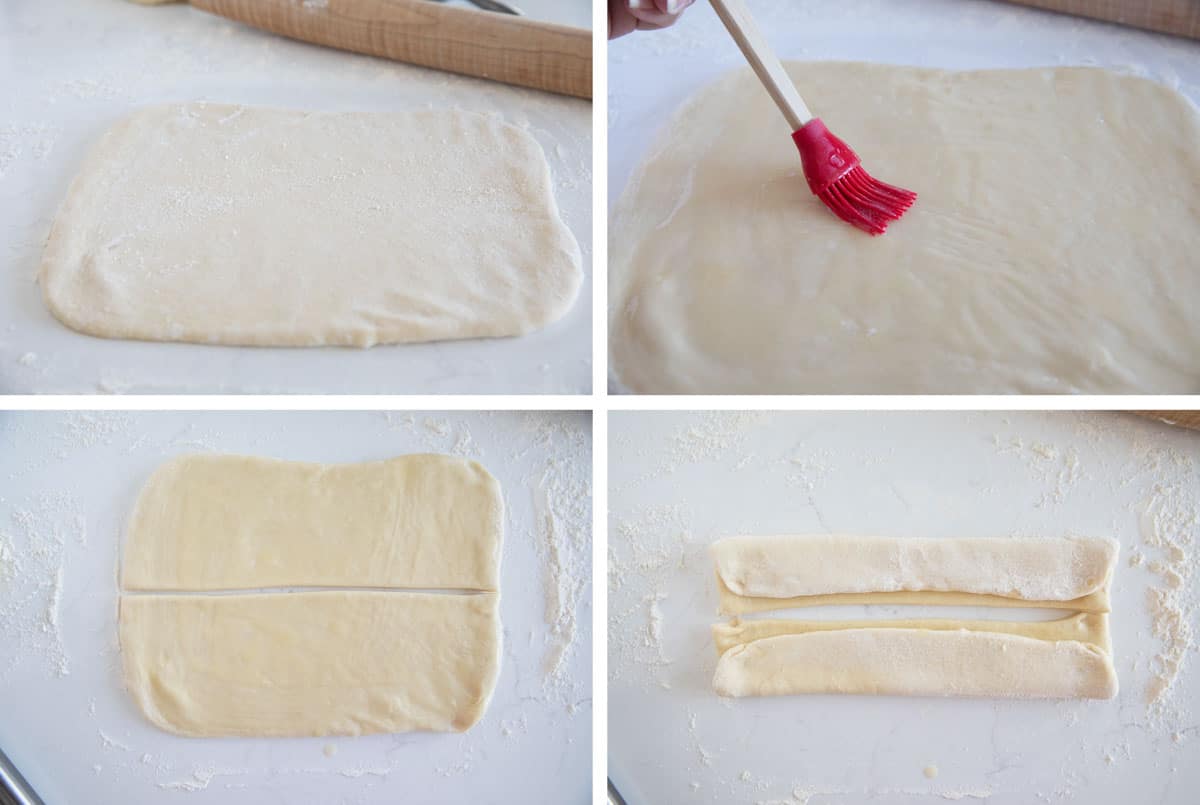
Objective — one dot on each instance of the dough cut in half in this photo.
(234, 225)
(918, 658)
(756, 574)
(1052, 248)
(205, 656)
(310, 664)
(228, 522)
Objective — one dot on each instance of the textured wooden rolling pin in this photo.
(514, 50)
(1179, 17)
(1182, 419)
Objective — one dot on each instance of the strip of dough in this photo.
(307, 664)
(916, 662)
(218, 522)
(221, 224)
(1082, 627)
(758, 573)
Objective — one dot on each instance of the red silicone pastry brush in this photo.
(834, 172)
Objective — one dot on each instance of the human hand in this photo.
(626, 16)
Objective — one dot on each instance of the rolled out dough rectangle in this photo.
(759, 573)
(225, 522)
(309, 664)
(916, 659)
(233, 225)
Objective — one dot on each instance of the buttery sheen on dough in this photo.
(283, 662)
(1052, 248)
(225, 224)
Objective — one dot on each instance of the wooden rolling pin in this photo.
(1182, 419)
(1179, 17)
(514, 50)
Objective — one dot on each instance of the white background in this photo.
(680, 481)
(78, 737)
(69, 70)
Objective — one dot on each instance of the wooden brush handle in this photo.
(515, 50)
(763, 61)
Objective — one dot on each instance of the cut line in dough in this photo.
(204, 657)
(233, 225)
(759, 573)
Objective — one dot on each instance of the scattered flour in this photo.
(34, 534)
(562, 498)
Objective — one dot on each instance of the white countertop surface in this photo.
(680, 481)
(67, 482)
(70, 70)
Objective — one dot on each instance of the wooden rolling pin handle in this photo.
(514, 50)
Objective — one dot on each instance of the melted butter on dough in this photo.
(1052, 249)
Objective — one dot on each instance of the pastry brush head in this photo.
(836, 176)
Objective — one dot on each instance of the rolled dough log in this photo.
(1052, 249)
(758, 573)
(307, 664)
(916, 662)
(223, 522)
(231, 225)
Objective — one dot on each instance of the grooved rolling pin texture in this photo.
(1179, 17)
(513, 50)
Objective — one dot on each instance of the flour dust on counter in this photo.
(61, 614)
(681, 481)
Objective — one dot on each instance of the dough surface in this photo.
(1052, 249)
(283, 662)
(309, 664)
(1072, 571)
(224, 522)
(916, 662)
(232, 225)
